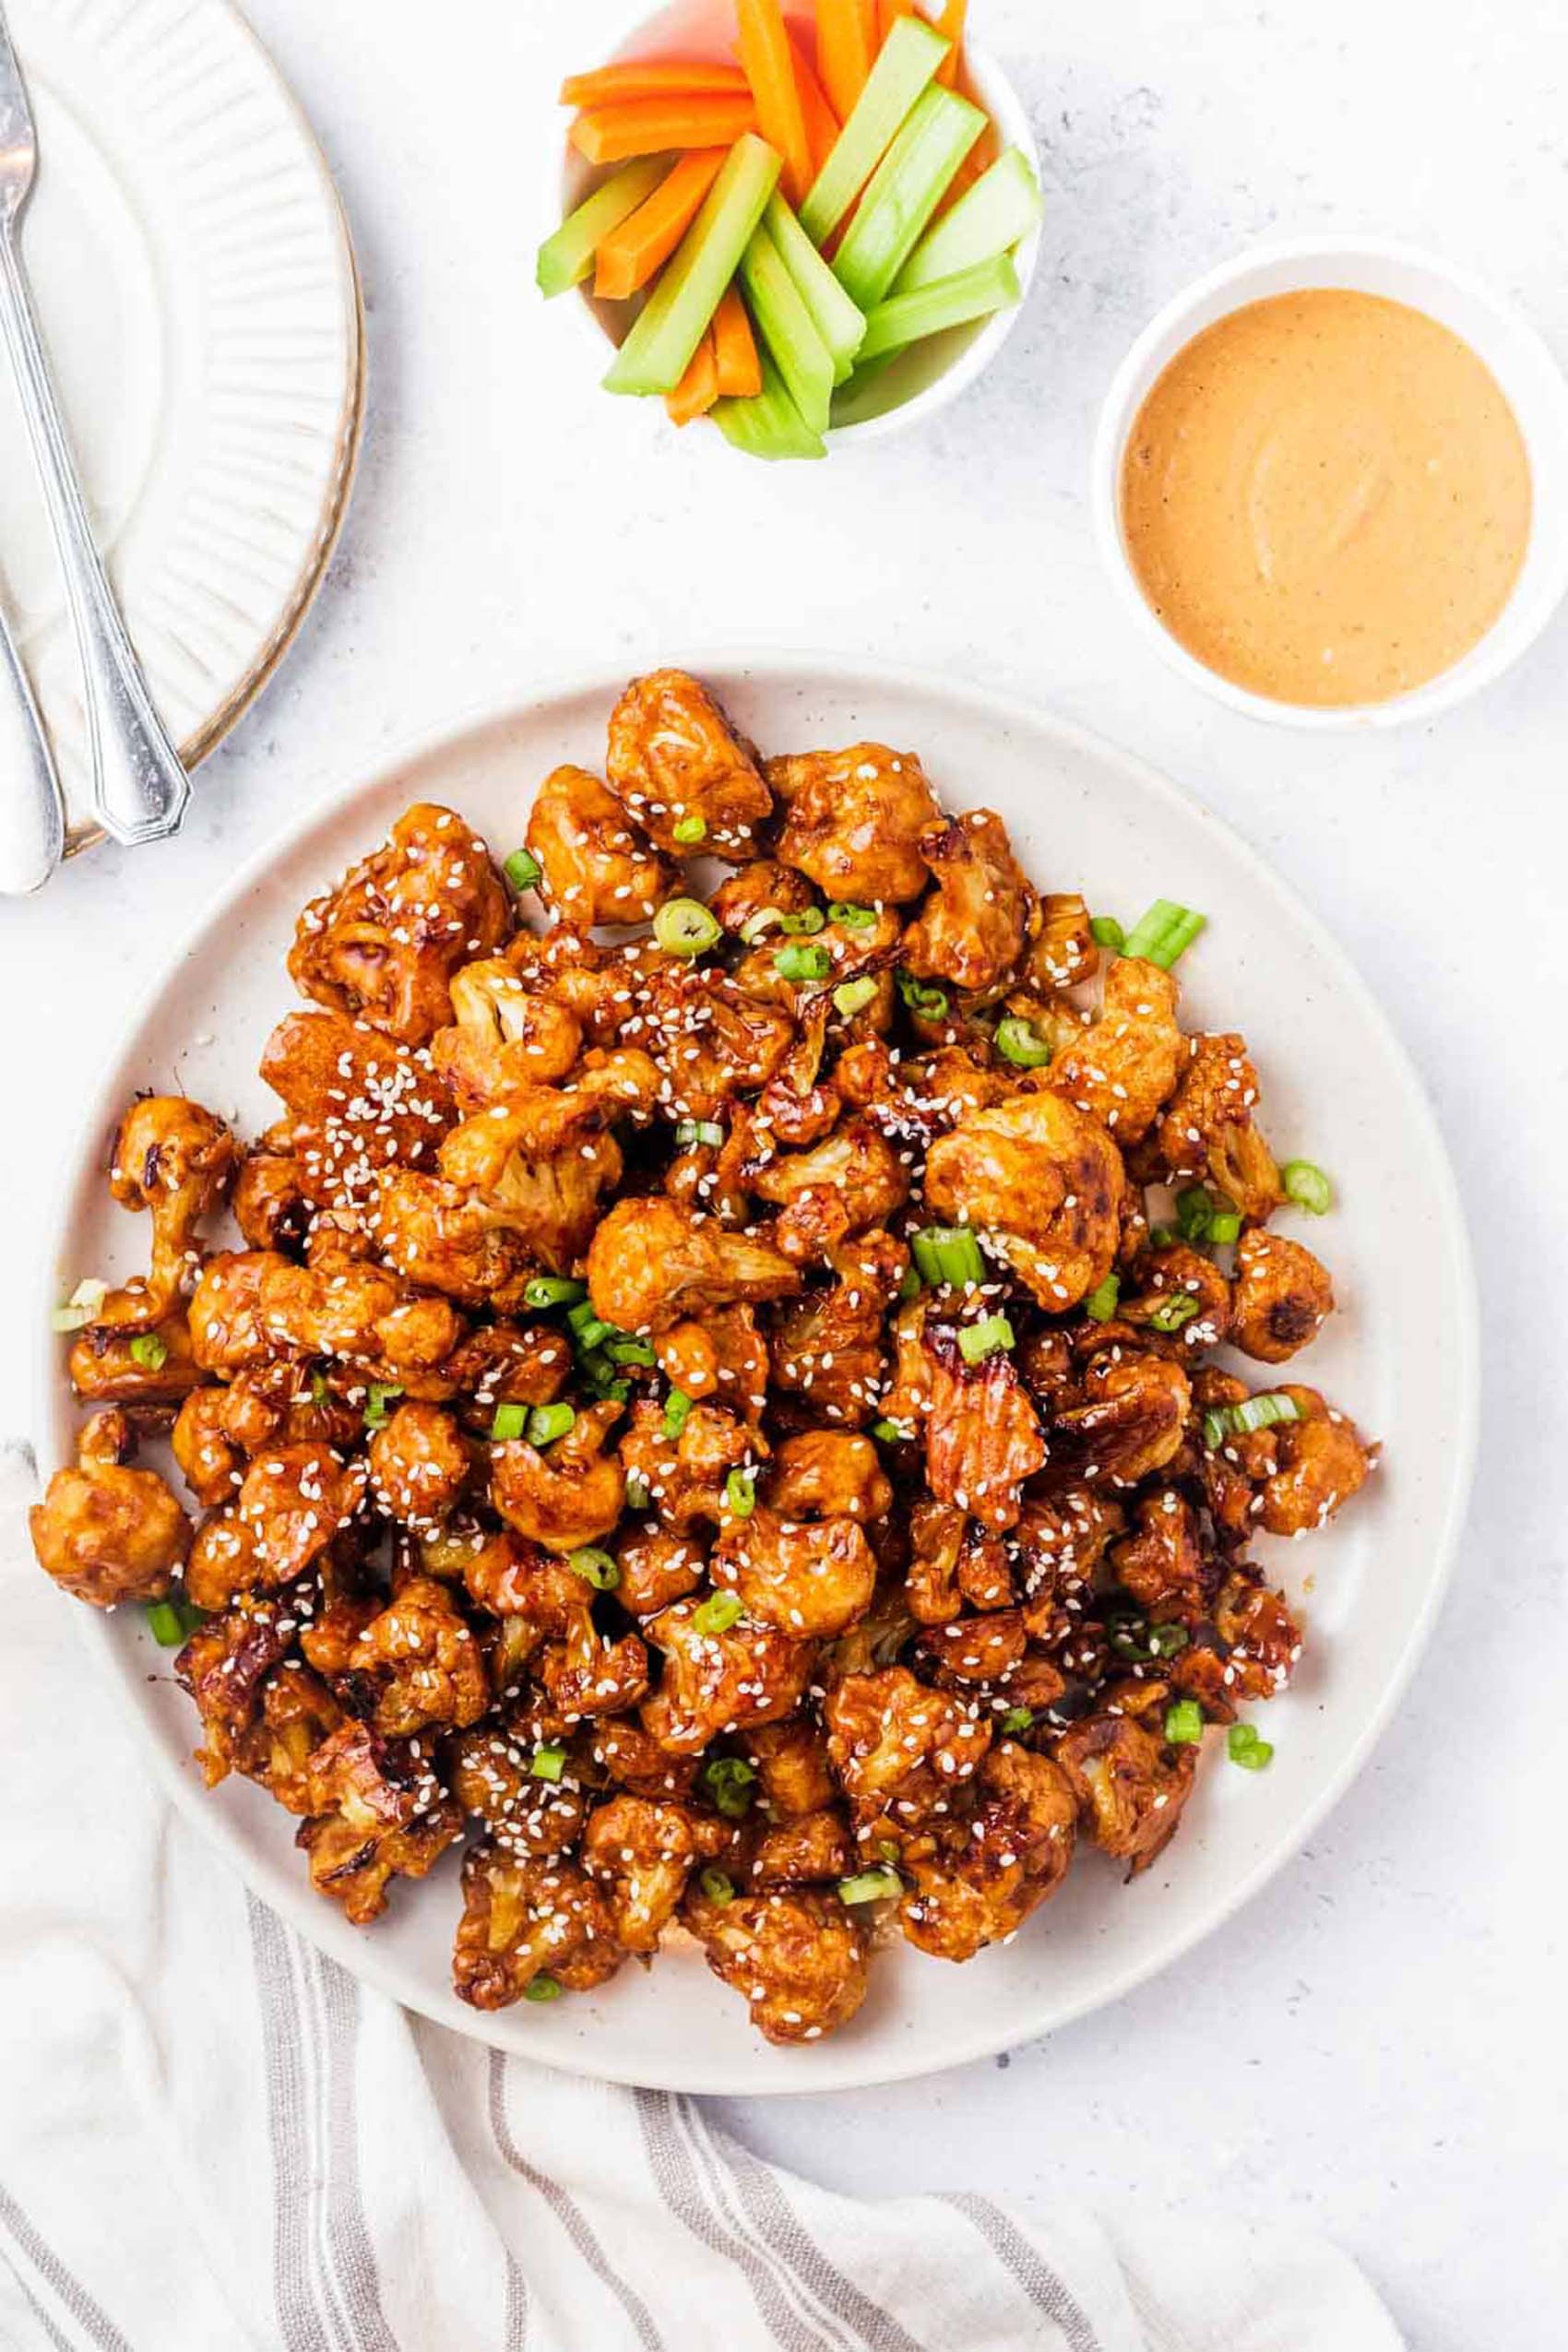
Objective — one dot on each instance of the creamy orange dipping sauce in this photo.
(1325, 497)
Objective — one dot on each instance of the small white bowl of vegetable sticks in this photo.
(812, 222)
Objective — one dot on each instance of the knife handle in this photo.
(140, 787)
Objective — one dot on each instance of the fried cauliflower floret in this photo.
(525, 1917)
(642, 1853)
(750, 1673)
(799, 1959)
(445, 1238)
(421, 1661)
(1309, 1467)
(794, 1775)
(381, 947)
(226, 1328)
(271, 1199)
(1132, 1424)
(1208, 1132)
(652, 1262)
(973, 929)
(979, 1652)
(901, 1749)
(686, 1474)
(996, 1862)
(656, 1568)
(715, 1039)
(298, 1714)
(1122, 1067)
(674, 757)
(377, 1811)
(1130, 1783)
(358, 1101)
(1044, 1181)
(503, 1036)
(566, 1496)
(210, 1460)
(293, 1500)
(1162, 1566)
(982, 1435)
(176, 1160)
(491, 1768)
(134, 1363)
(812, 1578)
(541, 1160)
(507, 1364)
(1156, 1289)
(1281, 1297)
(106, 1532)
(1064, 954)
(853, 821)
(1245, 1649)
(419, 1464)
(856, 1171)
(225, 1668)
(824, 1474)
(829, 1347)
(364, 1314)
(764, 887)
(596, 868)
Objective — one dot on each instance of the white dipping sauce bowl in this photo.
(1530, 379)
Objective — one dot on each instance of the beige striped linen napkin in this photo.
(213, 2139)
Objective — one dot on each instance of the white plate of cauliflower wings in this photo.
(779, 1327)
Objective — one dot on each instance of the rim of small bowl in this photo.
(971, 360)
(1519, 357)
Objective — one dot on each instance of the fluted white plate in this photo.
(1400, 1356)
(192, 267)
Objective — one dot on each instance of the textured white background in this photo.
(1377, 2044)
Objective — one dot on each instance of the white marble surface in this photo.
(1376, 2045)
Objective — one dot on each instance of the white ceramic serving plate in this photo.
(1401, 1357)
(929, 376)
(1523, 366)
(196, 287)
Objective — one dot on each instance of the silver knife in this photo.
(139, 786)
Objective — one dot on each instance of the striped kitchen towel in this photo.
(213, 2139)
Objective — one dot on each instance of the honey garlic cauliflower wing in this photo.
(856, 1174)
(996, 1862)
(652, 1262)
(358, 1100)
(383, 945)
(364, 1314)
(828, 1345)
(973, 930)
(1132, 1424)
(853, 821)
(419, 1464)
(1123, 1066)
(674, 757)
(1281, 1297)
(540, 1161)
(225, 1668)
(1130, 1783)
(107, 1533)
(297, 1716)
(715, 1039)
(824, 1474)
(1208, 1132)
(447, 1238)
(115, 1365)
(491, 1768)
(982, 1435)
(750, 1673)
(176, 1161)
(503, 1036)
(597, 868)
(419, 1663)
(566, 1496)
(377, 1811)
(1245, 1649)
(1044, 1182)
(811, 1578)
(799, 1959)
(642, 1853)
(1311, 1466)
(899, 1747)
(526, 1917)
(293, 1501)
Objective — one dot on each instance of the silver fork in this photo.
(140, 787)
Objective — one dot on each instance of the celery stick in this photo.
(768, 424)
(837, 321)
(788, 328)
(659, 348)
(930, 310)
(565, 258)
(908, 57)
(905, 191)
(1003, 206)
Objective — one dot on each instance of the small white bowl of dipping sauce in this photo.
(1330, 484)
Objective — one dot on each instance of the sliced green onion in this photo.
(718, 1613)
(1164, 932)
(740, 1493)
(378, 1395)
(717, 1886)
(624, 1349)
(1243, 1747)
(1017, 1720)
(1127, 1631)
(1106, 932)
(677, 1412)
(1183, 1724)
(1165, 1641)
(848, 917)
(588, 1330)
(80, 1307)
(809, 921)
(691, 830)
(853, 996)
(522, 869)
(149, 1350)
(931, 1003)
(547, 1422)
(509, 1422)
(685, 926)
(1102, 1302)
(871, 1886)
(948, 1254)
(1254, 1413)
(1174, 1311)
(764, 920)
(544, 1986)
(991, 1337)
(728, 1780)
(909, 1285)
(553, 1290)
(595, 1567)
(1306, 1184)
(1019, 1041)
(1195, 1213)
(699, 1130)
(1224, 1225)
(638, 1494)
(601, 1375)
(794, 963)
(891, 1432)
(164, 1624)
(319, 1392)
(1163, 1237)
(548, 1764)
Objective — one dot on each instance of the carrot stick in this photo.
(646, 239)
(821, 123)
(766, 56)
(845, 47)
(653, 77)
(949, 22)
(698, 388)
(740, 369)
(888, 13)
(648, 126)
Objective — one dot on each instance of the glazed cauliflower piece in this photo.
(853, 821)
(1307, 1469)
(997, 1860)
(1208, 1132)
(490, 1769)
(358, 1101)
(377, 1811)
(829, 1347)
(1281, 1297)
(567, 1495)
(226, 1668)
(293, 1500)
(827, 1474)
(674, 759)
(982, 1434)
(421, 1464)
(107, 1533)
(133, 1363)
(972, 931)
(811, 1578)
(1130, 1783)
(1124, 1065)
(686, 1474)
(450, 1240)
(856, 1174)
(542, 1161)
(503, 1036)
(641, 1853)
(527, 1916)
(901, 1749)
(176, 1161)
(712, 1683)
(596, 866)
(1132, 1424)
(799, 1959)
(418, 1664)
(1044, 1182)
(652, 1262)
(715, 1039)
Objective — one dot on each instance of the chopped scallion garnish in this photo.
(1245, 1747)
(992, 1336)
(728, 1781)
(1183, 1724)
(871, 1886)
(509, 1422)
(948, 1254)
(1019, 1041)
(677, 1412)
(624, 1349)
(762, 920)
(1106, 932)
(544, 1986)
(740, 1493)
(549, 1762)
(1172, 1311)
(1103, 1300)
(1164, 932)
(931, 1003)
(1195, 1212)
(685, 926)
(849, 917)
(149, 1350)
(1306, 1184)
(689, 831)
(378, 1395)
(809, 921)
(522, 869)
(699, 1130)
(1165, 1641)
(595, 1567)
(853, 996)
(164, 1624)
(891, 1432)
(718, 1613)
(638, 1494)
(1224, 1226)
(1254, 1413)
(717, 1886)
(1017, 1721)
(797, 963)
(547, 1422)
(909, 1285)
(553, 1290)
(80, 1307)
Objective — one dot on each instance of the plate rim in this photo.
(833, 2069)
